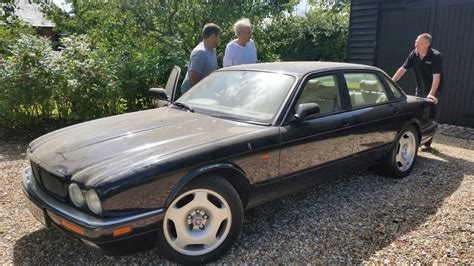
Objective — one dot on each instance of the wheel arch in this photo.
(416, 124)
(230, 172)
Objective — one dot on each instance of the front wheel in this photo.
(202, 222)
(402, 157)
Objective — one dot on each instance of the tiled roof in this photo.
(31, 13)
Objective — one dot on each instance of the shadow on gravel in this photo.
(344, 220)
(12, 151)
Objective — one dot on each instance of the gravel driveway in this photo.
(427, 217)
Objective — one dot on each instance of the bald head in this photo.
(423, 42)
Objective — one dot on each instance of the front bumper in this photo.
(92, 231)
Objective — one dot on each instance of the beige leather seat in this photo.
(325, 96)
(372, 92)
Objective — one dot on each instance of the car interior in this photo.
(365, 89)
(323, 92)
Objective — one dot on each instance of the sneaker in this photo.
(426, 149)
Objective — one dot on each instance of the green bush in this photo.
(84, 86)
(24, 90)
(41, 85)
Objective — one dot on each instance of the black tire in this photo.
(391, 166)
(229, 194)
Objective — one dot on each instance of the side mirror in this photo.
(307, 111)
(158, 94)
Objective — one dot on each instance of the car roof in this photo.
(299, 68)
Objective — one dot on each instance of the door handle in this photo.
(394, 109)
(344, 122)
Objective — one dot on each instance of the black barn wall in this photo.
(382, 33)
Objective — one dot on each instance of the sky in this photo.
(302, 7)
(62, 3)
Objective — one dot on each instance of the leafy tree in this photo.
(319, 35)
(10, 26)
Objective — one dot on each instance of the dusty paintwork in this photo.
(92, 152)
(138, 162)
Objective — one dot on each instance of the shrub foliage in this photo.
(115, 50)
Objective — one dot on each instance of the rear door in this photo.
(375, 111)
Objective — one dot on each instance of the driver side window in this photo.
(323, 91)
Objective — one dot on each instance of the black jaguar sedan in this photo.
(180, 177)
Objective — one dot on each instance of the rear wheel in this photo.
(202, 222)
(402, 157)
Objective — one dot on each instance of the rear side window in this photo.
(365, 89)
(394, 89)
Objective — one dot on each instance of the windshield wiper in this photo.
(233, 118)
(184, 106)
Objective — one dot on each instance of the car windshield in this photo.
(240, 95)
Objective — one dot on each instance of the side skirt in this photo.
(285, 185)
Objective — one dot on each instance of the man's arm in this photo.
(227, 62)
(399, 74)
(198, 60)
(255, 51)
(437, 69)
(434, 87)
(195, 78)
(406, 65)
(435, 84)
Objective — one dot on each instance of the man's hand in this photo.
(432, 98)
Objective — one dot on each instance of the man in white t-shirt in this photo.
(241, 50)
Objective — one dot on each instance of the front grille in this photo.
(52, 184)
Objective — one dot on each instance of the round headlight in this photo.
(76, 195)
(27, 177)
(93, 201)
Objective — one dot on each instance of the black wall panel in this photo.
(383, 32)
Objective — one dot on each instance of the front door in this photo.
(172, 83)
(323, 139)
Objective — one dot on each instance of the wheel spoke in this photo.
(200, 199)
(176, 215)
(403, 163)
(218, 214)
(184, 238)
(210, 238)
(403, 141)
(399, 156)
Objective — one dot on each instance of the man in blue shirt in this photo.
(203, 59)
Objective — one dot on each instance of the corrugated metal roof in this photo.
(31, 13)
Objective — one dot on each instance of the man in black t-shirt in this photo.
(427, 67)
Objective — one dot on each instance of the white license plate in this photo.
(37, 212)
